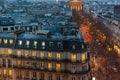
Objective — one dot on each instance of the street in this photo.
(103, 58)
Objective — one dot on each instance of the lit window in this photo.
(5, 41)
(0, 41)
(4, 51)
(43, 43)
(27, 43)
(49, 65)
(83, 57)
(9, 51)
(20, 42)
(35, 44)
(58, 55)
(19, 63)
(26, 63)
(26, 53)
(83, 46)
(49, 55)
(10, 73)
(11, 41)
(73, 57)
(5, 72)
(73, 47)
(57, 67)
(41, 54)
(34, 53)
(19, 53)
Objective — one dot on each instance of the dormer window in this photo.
(83, 46)
(43, 45)
(20, 42)
(73, 47)
(11, 41)
(27, 43)
(59, 44)
(5, 41)
(51, 44)
(35, 44)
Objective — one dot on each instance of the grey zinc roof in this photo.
(28, 36)
(6, 35)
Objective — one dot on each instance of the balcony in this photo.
(52, 59)
(53, 70)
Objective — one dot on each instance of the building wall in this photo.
(21, 64)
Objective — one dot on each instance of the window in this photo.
(73, 78)
(0, 41)
(83, 46)
(0, 73)
(34, 74)
(73, 68)
(4, 62)
(49, 55)
(20, 42)
(35, 44)
(41, 64)
(34, 64)
(41, 54)
(41, 76)
(9, 51)
(34, 53)
(83, 78)
(5, 41)
(18, 53)
(9, 63)
(19, 63)
(27, 43)
(50, 77)
(58, 77)
(51, 44)
(49, 65)
(73, 47)
(5, 73)
(4, 51)
(43, 43)
(27, 74)
(11, 41)
(57, 67)
(59, 44)
(26, 63)
(83, 57)
(10, 73)
(73, 57)
(26, 53)
(58, 55)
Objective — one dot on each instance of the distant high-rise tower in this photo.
(76, 5)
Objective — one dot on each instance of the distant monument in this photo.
(76, 4)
